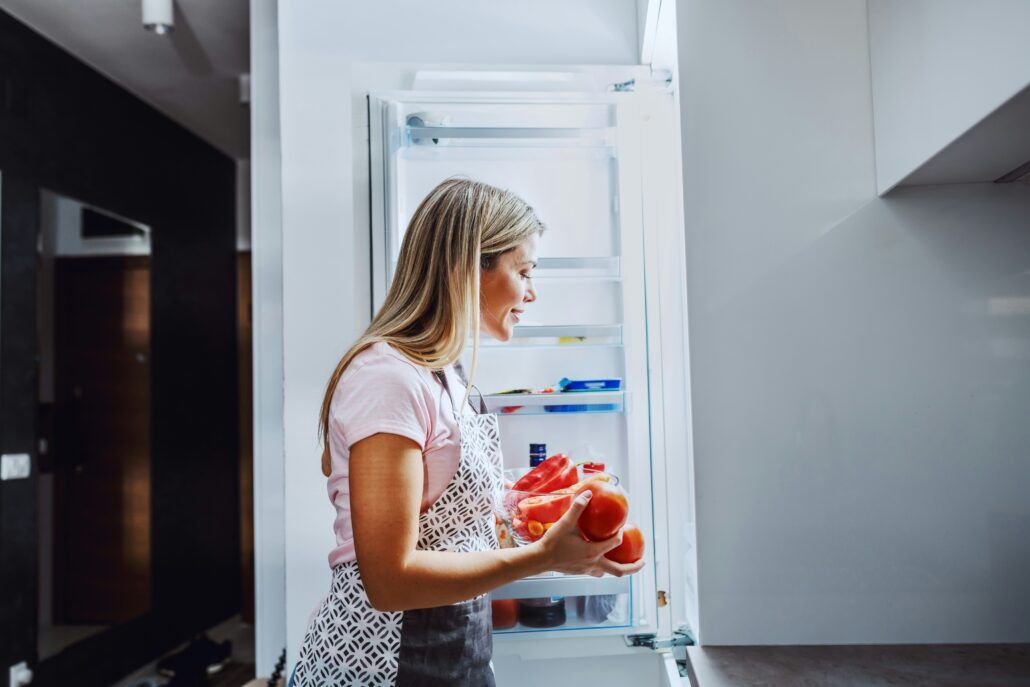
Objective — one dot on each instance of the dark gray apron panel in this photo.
(447, 646)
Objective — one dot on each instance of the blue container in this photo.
(584, 408)
(571, 385)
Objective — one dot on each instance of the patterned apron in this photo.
(351, 643)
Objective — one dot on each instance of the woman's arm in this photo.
(386, 474)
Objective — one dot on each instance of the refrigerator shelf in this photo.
(563, 335)
(473, 135)
(572, 624)
(578, 268)
(562, 585)
(557, 403)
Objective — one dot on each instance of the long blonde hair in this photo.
(459, 229)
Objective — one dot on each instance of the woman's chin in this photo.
(501, 334)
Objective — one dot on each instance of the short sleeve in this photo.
(381, 394)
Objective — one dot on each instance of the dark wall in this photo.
(66, 128)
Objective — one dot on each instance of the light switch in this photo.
(15, 466)
(20, 674)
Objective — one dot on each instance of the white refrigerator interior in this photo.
(579, 160)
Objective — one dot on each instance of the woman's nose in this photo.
(530, 294)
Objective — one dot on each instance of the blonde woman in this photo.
(414, 469)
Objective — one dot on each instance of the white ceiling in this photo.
(191, 74)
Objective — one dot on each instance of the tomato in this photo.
(546, 508)
(505, 613)
(557, 472)
(593, 467)
(605, 512)
(631, 549)
(575, 488)
(530, 530)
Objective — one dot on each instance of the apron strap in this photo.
(460, 371)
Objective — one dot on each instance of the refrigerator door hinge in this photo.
(681, 637)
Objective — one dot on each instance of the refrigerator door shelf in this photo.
(578, 402)
(563, 585)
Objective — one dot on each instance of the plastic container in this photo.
(584, 408)
(578, 385)
(551, 506)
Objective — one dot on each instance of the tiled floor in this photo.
(956, 665)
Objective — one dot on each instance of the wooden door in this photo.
(246, 360)
(101, 446)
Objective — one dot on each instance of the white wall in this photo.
(267, 308)
(325, 250)
(939, 67)
(860, 372)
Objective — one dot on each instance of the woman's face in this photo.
(505, 289)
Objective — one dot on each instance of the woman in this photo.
(414, 471)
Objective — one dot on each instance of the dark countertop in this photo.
(936, 665)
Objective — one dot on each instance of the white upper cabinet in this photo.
(951, 90)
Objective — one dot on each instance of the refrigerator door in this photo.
(668, 358)
(579, 160)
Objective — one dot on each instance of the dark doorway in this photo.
(94, 478)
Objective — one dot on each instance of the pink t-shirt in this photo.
(381, 391)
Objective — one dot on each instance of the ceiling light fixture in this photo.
(158, 16)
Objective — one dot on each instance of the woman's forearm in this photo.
(438, 578)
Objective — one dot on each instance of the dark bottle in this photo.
(548, 611)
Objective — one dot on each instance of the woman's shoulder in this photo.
(381, 364)
(382, 391)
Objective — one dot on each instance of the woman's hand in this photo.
(565, 550)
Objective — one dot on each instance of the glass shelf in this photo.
(573, 623)
(562, 585)
(564, 335)
(556, 403)
(592, 268)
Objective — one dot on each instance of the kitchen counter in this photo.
(939, 665)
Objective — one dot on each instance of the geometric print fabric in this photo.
(351, 643)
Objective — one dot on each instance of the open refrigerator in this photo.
(601, 170)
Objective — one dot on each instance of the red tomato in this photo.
(557, 472)
(605, 512)
(631, 549)
(593, 467)
(574, 489)
(505, 613)
(547, 508)
(530, 530)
